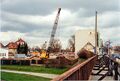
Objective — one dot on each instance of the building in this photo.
(115, 49)
(12, 47)
(85, 39)
(3, 53)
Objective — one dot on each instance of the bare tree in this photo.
(71, 43)
(44, 46)
(56, 46)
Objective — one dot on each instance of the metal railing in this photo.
(81, 71)
(109, 65)
(112, 68)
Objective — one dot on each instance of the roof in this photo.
(88, 43)
(88, 46)
(1, 45)
(12, 45)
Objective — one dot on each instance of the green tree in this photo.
(18, 49)
(26, 49)
(22, 49)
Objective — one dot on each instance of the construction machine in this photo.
(45, 52)
(51, 42)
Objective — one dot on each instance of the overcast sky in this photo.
(33, 20)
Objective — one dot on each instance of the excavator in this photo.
(45, 52)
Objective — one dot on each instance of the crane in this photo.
(51, 42)
(45, 53)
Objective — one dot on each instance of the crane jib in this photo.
(54, 29)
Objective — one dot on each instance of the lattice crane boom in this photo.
(54, 29)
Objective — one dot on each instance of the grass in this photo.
(39, 69)
(80, 60)
(5, 76)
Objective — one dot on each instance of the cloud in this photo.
(45, 7)
(110, 34)
(10, 36)
(33, 19)
(25, 23)
(109, 19)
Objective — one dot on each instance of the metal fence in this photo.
(109, 66)
(113, 67)
(20, 61)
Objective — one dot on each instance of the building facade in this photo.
(12, 47)
(3, 53)
(85, 39)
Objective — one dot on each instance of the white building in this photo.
(85, 39)
(3, 53)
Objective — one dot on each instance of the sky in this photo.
(32, 20)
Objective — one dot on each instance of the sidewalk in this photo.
(45, 75)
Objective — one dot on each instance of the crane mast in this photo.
(54, 30)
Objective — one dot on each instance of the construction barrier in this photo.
(20, 61)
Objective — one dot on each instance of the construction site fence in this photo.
(20, 61)
(81, 71)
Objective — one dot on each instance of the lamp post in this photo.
(96, 32)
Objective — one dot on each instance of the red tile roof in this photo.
(12, 45)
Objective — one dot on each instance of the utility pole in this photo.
(96, 33)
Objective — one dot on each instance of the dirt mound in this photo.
(85, 54)
(60, 62)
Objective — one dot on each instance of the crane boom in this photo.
(54, 29)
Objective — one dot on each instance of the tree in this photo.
(107, 46)
(71, 43)
(22, 48)
(44, 46)
(26, 49)
(18, 49)
(56, 46)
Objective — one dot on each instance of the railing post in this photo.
(116, 71)
(110, 66)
